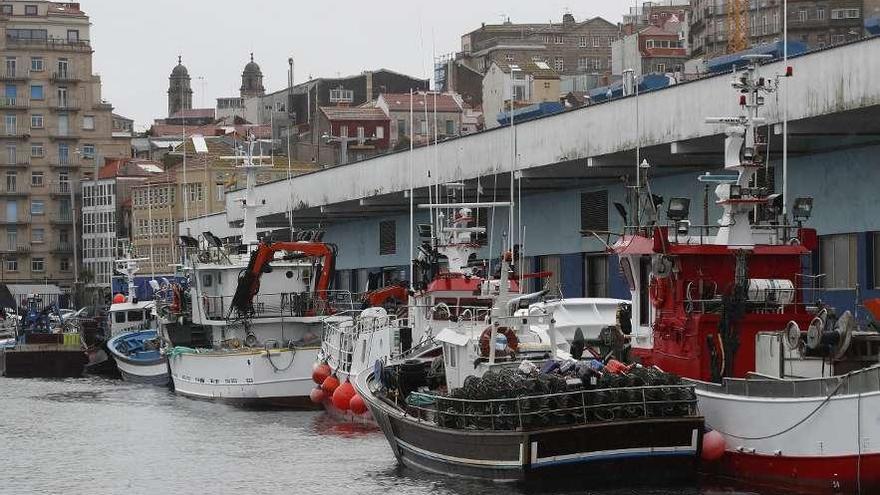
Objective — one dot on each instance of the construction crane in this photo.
(738, 22)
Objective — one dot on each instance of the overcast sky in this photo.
(136, 43)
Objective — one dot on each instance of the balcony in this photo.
(13, 75)
(64, 105)
(16, 190)
(66, 135)
(21, 219)
(63, 189)
(62, 247)
(20, 249)
(65, 162)
(61, 218)
(64, 77)
(59, 44)
(14, 103)
(14, 132)
(19, 160)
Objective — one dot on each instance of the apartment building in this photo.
(817, 23)
(55, 127)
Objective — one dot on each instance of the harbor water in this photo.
(97, 436)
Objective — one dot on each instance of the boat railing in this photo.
(862, 381)
(339, 337)
(556, 409)
(283, 304)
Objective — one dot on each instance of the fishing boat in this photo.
(731, 307)
(501, 403)
(134, 343)
(257, 309)
(400, 322)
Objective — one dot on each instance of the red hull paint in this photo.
(838, 474)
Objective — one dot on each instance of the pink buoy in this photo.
(713, 446)
(317, 395)
(320, 372)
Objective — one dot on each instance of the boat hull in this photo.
(803, 444)
(247, 377)
(147, 368)
(654, 450)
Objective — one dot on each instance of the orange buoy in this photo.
(342, 396)
(357, 404)
(713, 446)
(317, 395)
(320, 372)
(330, 384)
(118, 299)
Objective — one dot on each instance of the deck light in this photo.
(802, 209)
(678, 209)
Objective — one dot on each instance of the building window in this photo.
(221, 191)
(545, 38)
(30, 10)
(88, 123)
(387, 237)
(11, 181)
(38, 207)
(37, 150)
(597, 41)
(582, 42)
(559, 64)
(36, 179)
(37, 64)
(36, 121)
(11, 235)
(450, 127)
(844, 13)
(65, 264)
(597, 63)
(88, 151)
(380, 132)
(36, 92)
(11, 265)
(820, 13)
(838, 38)
(661, 68)
(610, 40)
(582, 63)
(594, 211)
(401, 128)
(558, 39)
(837, 261)
(38, 235)
(38, 265)
(802, 15)
(6, 9)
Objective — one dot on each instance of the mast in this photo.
(250, 204)
(412, 218)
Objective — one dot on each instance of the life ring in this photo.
(658, 290)
(512, 341)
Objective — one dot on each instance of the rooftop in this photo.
(400, 102)
(354, 113)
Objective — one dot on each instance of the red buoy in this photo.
(320, 372)
(317, 395)
(118, 299)
(329, 384)
(357, 405)
(342, 396)
(713, 446)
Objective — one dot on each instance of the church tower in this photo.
(252, 80)
(179, 89)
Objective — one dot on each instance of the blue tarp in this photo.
(872, 25)
(727, 63)
(647, 82)
(142, 285)
(531, 112)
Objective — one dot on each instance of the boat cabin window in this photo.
(207, 280)
(449, 351)
(626, 268)
(468, 308)
(135, 316)
(120, 317)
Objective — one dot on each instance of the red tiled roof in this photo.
(399, 102)
(354, 113)
(126, 167)
(172, 130)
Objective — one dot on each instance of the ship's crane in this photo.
(738, 25)
(249, 281)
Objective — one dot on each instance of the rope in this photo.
(802, 421)
(277, 369)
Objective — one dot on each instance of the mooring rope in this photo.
(802, 421)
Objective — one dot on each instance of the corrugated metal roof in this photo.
(25, 289)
